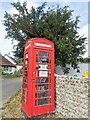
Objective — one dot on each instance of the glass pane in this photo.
(42, 60)
(43, 101)
(25, 93)
(25, 100)
(9, 69)
(26, 61)
(49, 73)
(26, 56)
(37, 66)
(26, 67)
(42, 80)
(42, 94)
(42, 87)
(37, 53)
(25, 85)
(25, 79)
(43, 53)
(25, 73)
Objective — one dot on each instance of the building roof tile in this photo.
(5, 62)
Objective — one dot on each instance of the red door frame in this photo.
(46, 107)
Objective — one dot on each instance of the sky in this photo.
(80, 9)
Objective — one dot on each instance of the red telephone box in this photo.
(38, 77)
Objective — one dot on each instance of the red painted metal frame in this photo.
(29, 106)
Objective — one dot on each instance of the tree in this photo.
(56, 24)
(85, 60)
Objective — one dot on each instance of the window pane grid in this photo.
(41, 98)
(25, 79)
(43, 78)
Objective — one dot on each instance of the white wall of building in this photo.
(9, 69)
(13, 69)
(18, 67)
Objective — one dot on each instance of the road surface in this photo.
(9, 87)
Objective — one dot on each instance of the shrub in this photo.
(17, 73)
(10, 75)
(1, 70)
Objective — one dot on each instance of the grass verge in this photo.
(12, 108)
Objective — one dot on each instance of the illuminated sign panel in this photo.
(42, 45)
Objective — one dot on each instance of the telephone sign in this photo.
(38, 77)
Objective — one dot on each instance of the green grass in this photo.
(12, 108)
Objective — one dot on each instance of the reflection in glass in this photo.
(26, 67)
(25, 79)
(25, 100)
(25, 93)
(27, 56)
(42, 94)
(26, 61)
(37, 66)
(43, 53)
(25, 85)
(43, 101)
(42, 87)
(42, 80)
(25, 73)
(37, 53)
(42, 60)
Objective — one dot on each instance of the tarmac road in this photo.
(9, 87)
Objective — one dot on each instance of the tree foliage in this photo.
(56, 24)
(85, 60)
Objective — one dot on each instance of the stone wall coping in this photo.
(72, 77)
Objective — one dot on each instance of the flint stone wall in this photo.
(71, 97)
